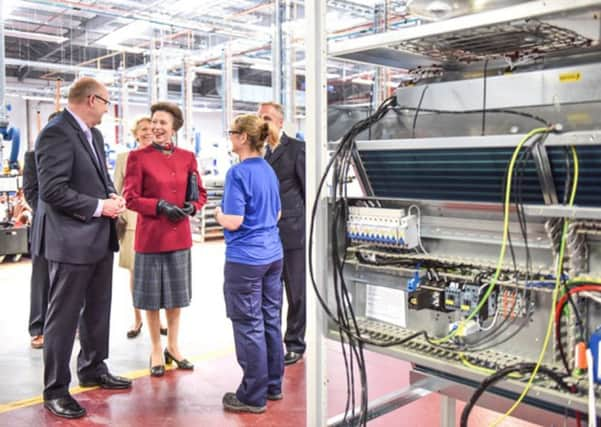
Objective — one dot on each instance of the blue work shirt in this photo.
(252, 190)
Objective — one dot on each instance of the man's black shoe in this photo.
(107, 381)
(65, 407)
(292, 357)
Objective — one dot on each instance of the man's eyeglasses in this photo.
(106, 101)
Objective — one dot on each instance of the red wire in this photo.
(558, 310)
(564, 298)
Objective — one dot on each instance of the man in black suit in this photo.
(40, 280)
(288, 160)
(76, 233)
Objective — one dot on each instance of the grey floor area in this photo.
(205, 330)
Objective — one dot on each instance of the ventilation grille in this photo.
(513, 40)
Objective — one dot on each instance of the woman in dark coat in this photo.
(156, 183)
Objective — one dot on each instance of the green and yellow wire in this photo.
(507, 205)
(554, 303)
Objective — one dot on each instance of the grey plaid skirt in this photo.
(162, 280)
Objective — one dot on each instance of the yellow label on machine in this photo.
(570, 77)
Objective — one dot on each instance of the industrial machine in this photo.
(473, 249)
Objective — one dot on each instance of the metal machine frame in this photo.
(448, 224)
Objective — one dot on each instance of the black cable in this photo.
(417, 110)
(484, 97)
(398, 110)
(503, 326)
(344, 317)
(521, 368)
(566, 195)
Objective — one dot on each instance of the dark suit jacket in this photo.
(288, 162)
(31, 192)
(71, 181)
(30, 180)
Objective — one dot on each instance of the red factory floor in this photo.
(194, 399)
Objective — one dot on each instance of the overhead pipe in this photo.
(52, 66)
(221, 26)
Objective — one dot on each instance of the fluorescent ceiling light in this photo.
(35, 36)
(43, 98)
(122, 48)
(134, 30)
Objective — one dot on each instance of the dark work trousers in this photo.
(295, 283)
(76, 288)
(253, 301)
(38, 301)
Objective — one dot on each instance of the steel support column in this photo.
(226, 86)
(381, 73)
(3, 113)
(316, 113)
(163, 83)
(277, 42)
(123, 108)
(152, 75)
(187, 97)
(289, 77)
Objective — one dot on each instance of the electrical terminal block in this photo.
(387, 227)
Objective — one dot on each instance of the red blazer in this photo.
(151, 175)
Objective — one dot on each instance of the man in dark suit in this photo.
(288, 160)
(76, 233)
(40, 280)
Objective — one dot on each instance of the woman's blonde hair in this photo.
(134, 129)
(257, 129)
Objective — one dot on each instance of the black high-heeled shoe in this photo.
(181, 364)
(156, 371)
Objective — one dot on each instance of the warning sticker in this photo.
(570, 77)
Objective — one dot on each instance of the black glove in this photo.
(189, 209)
(172, 212)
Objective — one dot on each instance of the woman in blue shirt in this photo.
(252, 287)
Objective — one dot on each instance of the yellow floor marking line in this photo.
(18, 404)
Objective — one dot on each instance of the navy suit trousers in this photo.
(40, 283)
(253, 300)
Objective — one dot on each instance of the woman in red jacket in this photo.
(156, 183)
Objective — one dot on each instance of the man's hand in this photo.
(113, 207)
(117, 197)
